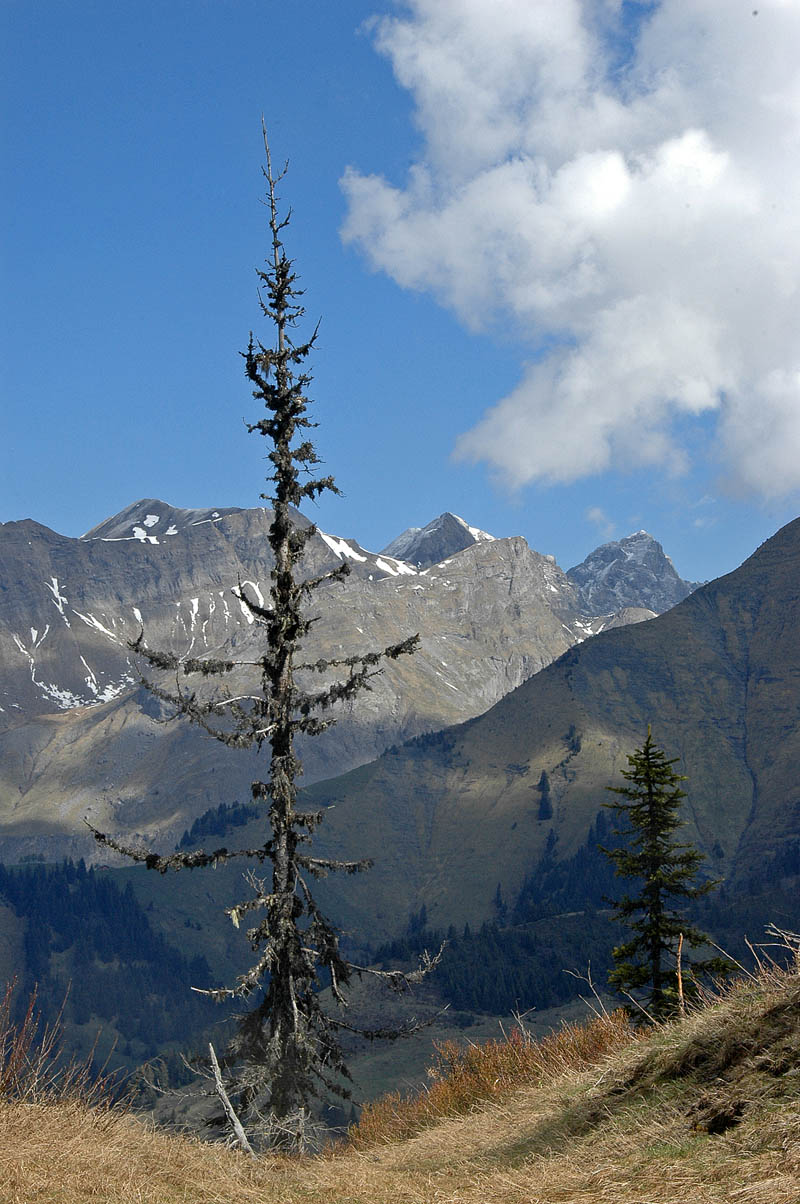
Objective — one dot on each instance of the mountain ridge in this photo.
(77, 730)
(719, 678)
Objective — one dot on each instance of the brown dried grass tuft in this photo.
(33, 1067)
(464, 1075)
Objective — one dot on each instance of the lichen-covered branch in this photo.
(176, 861)
(286, 1047)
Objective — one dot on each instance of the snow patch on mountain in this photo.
(91, 621)
(65, 699)
(341, 548)
(140, 534)
(397, 568)
(59, 601)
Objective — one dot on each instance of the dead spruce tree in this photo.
(286, 1049)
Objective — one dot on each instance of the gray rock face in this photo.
(444, 536)
(69, 606)
(630, 572)
(78, 733)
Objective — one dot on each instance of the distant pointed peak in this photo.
(633, 571)
(443, 536)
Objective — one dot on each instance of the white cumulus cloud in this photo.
(620, 184)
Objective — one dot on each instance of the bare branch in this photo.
(236, 1124)
(358, 678)
(390, 1034)
(321, 866)
(402, 980)
(262, 614)
(176, 861)
(168, 660)
(337, 574)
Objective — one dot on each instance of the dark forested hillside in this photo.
(89, 940)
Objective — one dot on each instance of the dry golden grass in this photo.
(464, 1075)
(706, 1111)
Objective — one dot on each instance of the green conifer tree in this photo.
(545, 799)
(664, 871)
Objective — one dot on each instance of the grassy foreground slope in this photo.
(706, 1110)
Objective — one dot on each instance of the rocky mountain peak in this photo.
(442, 537)
(149, 520)
(630, 572)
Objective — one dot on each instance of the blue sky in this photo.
(552, 243)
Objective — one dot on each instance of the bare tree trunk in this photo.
(236, 1124)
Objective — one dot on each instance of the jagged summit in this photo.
(633, 571)
(442, 537)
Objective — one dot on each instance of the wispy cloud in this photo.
(600, 519)
(633, 214)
